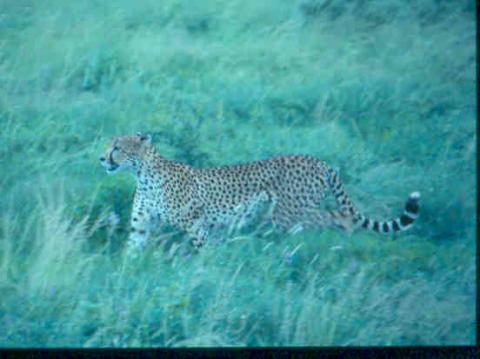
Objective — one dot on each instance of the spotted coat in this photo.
(200, 200)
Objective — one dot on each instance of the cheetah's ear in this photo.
(144, 137)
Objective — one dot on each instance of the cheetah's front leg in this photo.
(198, 234)
(141, 223)
(139, 234)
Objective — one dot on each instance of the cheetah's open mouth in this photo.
(111, 167)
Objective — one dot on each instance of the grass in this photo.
(383, 92)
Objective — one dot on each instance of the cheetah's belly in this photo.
(237, 213)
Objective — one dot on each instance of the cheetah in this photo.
(198, 201)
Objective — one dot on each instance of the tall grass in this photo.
(383, 92)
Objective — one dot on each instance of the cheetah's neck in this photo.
(155, 170)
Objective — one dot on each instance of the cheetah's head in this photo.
(125, 153)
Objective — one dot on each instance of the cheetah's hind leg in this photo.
(198, 236)
(319, 219)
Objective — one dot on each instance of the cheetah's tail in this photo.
(398, 224)
(347, 209)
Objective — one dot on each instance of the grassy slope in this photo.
(385, 93)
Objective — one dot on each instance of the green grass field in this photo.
(383, 92)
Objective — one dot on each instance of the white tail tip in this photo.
(415, 195)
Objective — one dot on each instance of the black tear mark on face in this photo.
(110, 157)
